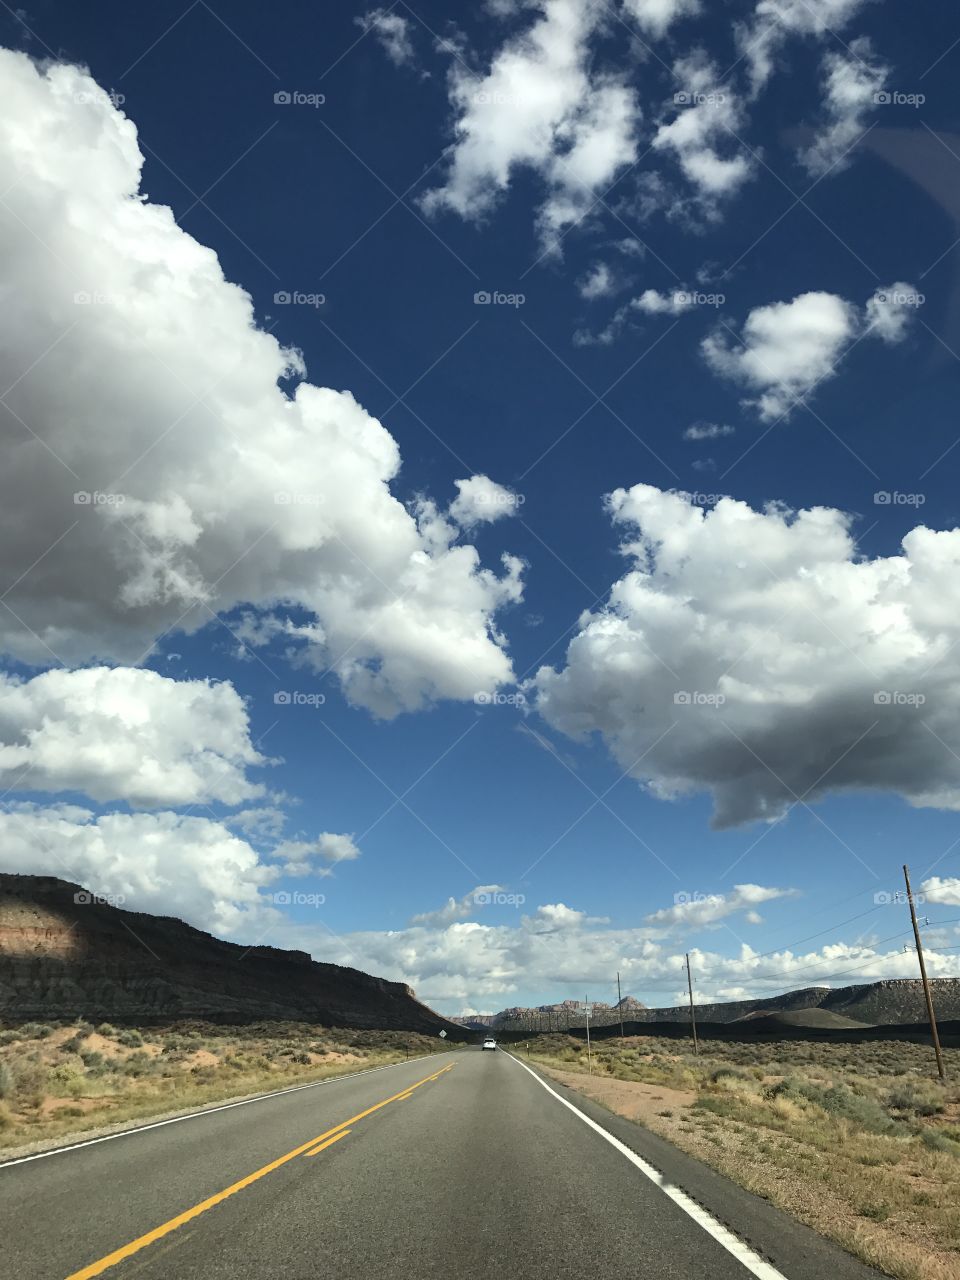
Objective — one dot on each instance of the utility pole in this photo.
(693, 1016)
(586, 1002)
(923, 976)
(620, 1004)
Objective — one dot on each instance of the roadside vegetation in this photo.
(57, 1080)
(856, 1140)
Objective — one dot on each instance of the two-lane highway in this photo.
(460, 1164)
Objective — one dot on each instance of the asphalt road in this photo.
(458, 1165)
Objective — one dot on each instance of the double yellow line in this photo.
(311, 1148)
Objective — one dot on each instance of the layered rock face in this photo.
(64, 955)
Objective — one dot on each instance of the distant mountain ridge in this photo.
(64, 954)
(893, 1001)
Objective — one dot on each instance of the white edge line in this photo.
(209, 1111)
(733, 1244)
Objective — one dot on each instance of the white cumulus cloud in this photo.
(540, 106)
(140, 381)
(758, 656)
(165, 863)
(125, 734)
(786, 349)
(464, 964)
(306, 857)
(481, 500)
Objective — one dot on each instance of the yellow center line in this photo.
(329, 1143)
(118, 1255)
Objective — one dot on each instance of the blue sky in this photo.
(722, 251)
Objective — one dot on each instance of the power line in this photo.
(811, 936)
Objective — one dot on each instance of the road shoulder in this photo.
(792, 1247)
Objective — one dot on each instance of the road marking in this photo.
(330, 1141)
(127, 1250)
(198, 1115)
(733, 1244)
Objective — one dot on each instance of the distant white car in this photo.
(489, 1042)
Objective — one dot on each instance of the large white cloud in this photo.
(124, 734)
(756, 655)
(164, 863)
(541, 107)
(458, 964)
(787, 348)
(138, 376)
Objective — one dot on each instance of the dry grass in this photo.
(56, 1081)
(856, 1141)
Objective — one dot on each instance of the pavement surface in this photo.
(460, 1164)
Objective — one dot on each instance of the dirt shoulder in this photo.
(883, 1185)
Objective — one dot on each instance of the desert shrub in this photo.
(64, 1072)
(82, 1027)
(6, 1119)
(73, 1045)
(130, 1039)
(91, 1058)
(8, 1037)
(936, 1140)
(30, 1083)
(6, 1081)
(731, 1073)
(138, 1064)
(920, 1097)
(839, 1101)
(35, 1031)
(107, 1030)
(877, 1212)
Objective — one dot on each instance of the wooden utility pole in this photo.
(923, 976)
(693, 1016)
(620, 1005)
(586, 1002)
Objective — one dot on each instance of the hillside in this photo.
(892, 1002)
(60, 959)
